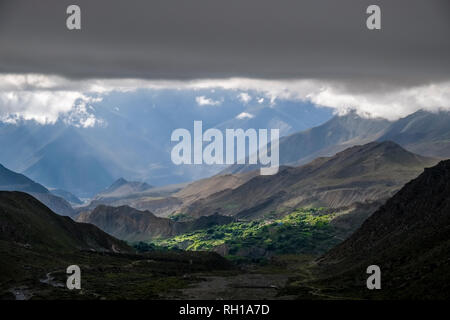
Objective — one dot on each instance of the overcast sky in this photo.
(319, 50)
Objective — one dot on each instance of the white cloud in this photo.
(203, 101)
(44, 107)
(389, 105)
(244, 97)
(244, 115)
(388, 102)
(47, 98)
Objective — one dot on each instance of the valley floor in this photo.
(157, 275)
(249, 286)
(286, 277)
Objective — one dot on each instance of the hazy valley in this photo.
(350, 192)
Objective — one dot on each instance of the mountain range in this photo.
(132, 137)
(370, 172)
(354, 181)
(350, 173)
(164, 201)
(130, 143)
(422, 132)
(335, 135)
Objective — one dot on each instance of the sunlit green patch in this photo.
(302, 231)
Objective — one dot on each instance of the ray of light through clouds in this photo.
(47, 98)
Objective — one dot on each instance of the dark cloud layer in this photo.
(171, 39)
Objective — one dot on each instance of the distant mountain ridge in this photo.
(425, 133)
(337, 134)
(68, 196)
(135, 142)
(194, 191)
(163, 201)
(121, 188)
(12, 181)
(369, 172)
(130, 224)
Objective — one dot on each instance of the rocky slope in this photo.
(25, 220)
(359, 174)
(37, 246)
(408, 237)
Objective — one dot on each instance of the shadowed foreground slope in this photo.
(13, 181)
(25, 220)
(37, 245)
(408, 237)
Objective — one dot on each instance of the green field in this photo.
(302, 231)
